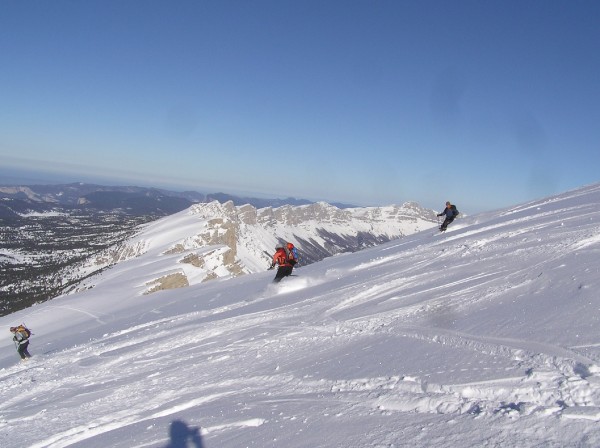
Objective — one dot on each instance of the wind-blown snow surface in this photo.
(487, 335)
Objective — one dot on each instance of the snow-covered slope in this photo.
(220, 240)
(487, 335)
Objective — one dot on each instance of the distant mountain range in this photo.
(56, 239)
(127, 199)
(219, 240)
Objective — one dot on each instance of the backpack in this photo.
(454, 210)
(25, 332)
(292, 253)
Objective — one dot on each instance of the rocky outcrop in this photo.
(215, 240)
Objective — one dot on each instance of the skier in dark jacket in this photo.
(21, 339)
(450, 212)
(281, 258)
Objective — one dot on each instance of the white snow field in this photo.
(485, 336)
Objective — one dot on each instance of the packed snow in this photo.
(486, 335)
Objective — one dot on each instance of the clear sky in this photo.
(484, 103)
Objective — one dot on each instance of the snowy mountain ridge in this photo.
(217, 240)
(487, 335)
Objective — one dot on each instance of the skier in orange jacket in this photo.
(281, 258)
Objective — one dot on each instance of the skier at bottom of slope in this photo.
(281, 258)
(450, 212)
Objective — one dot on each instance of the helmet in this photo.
(448, 203)
(13, 329)
(290, 246)
(279, 246)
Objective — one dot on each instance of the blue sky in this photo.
(484, 103)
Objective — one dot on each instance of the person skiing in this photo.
(450, 212)
(21, 338)
(281, 258)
